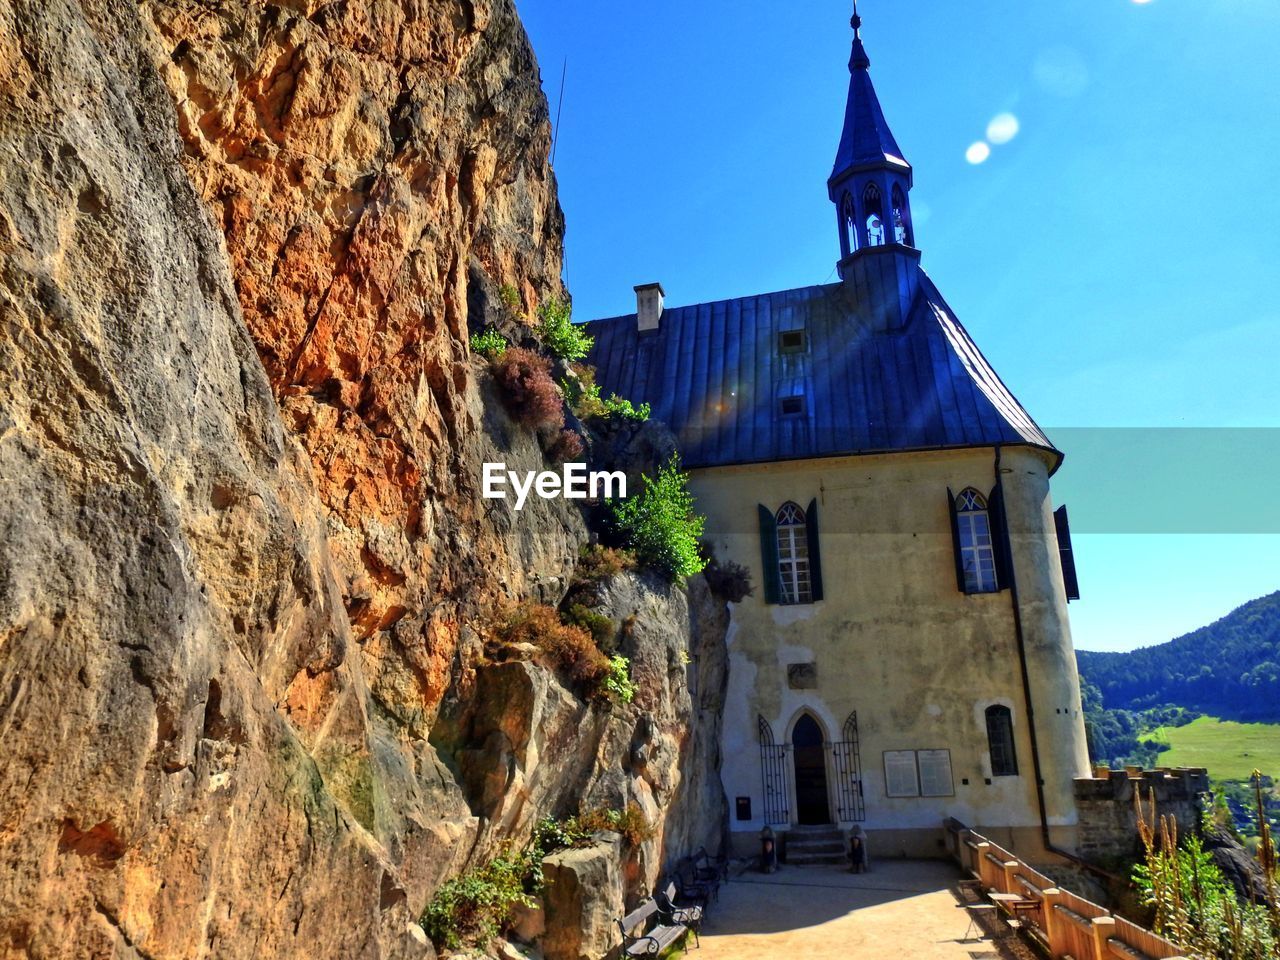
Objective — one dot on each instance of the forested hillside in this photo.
(1229, 669)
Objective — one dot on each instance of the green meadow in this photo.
(1228, 750)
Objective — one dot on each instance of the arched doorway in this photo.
(812, 806)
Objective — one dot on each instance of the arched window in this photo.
(793, 555)
(977, 555)
(849, 217)
(790, 553)
(1004, 759)
(901, 218)
(874, 209)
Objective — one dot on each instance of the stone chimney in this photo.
(649, 306)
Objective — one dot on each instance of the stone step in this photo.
(835, 846)
(814, 859)
(815, 836)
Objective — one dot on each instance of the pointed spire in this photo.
(858, 60)
(866, 139)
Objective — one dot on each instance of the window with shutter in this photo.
(793, 555)
(815, 556)
(769, 555)
(1070, 581)
(1000, 538)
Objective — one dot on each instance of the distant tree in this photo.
(1230, 668)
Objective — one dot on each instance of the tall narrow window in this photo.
(1004, 760)
(790, 553)
(793, 555)
(973, 536)
(874, 209)
(850, 222)
(901, 229)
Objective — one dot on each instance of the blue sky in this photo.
(1113, 259)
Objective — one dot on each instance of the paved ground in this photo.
(902, 910)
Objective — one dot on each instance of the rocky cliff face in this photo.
(241, 541)
(378, 169)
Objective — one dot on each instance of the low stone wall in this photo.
(1108, 816)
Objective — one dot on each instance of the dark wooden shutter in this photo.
(769, 555)
(1000, 539)
(955, 541)
(1069, 578)
(815, 556)
(1000, 743)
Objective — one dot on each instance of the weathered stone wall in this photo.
(1109, 817)
(241, 541)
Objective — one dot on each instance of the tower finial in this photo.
(858, 60)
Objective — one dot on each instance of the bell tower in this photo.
(870, 186)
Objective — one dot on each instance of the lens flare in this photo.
(978, 153)
(1003, 128)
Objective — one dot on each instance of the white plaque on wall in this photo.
(900, 775)
(935, 773)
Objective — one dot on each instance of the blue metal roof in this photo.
(866, 139)
(715, 373)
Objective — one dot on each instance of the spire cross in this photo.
(856, 22)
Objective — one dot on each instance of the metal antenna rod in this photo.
(555, 136)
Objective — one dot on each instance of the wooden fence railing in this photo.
(1067, 926)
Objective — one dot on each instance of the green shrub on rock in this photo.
(617, 683)
(490, 344)
(472, 908)
(510, 297)
(559, 333)
(660, 525)
(587, 403)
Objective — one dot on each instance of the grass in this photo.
(1228, 750)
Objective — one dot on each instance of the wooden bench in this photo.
(642, 937)
(690, 915)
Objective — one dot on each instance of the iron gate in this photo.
(773, 769)
(848, 767)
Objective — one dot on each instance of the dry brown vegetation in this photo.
(568, 648)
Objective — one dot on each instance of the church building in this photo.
(906, 655)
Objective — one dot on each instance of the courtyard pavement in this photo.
(901, 910)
